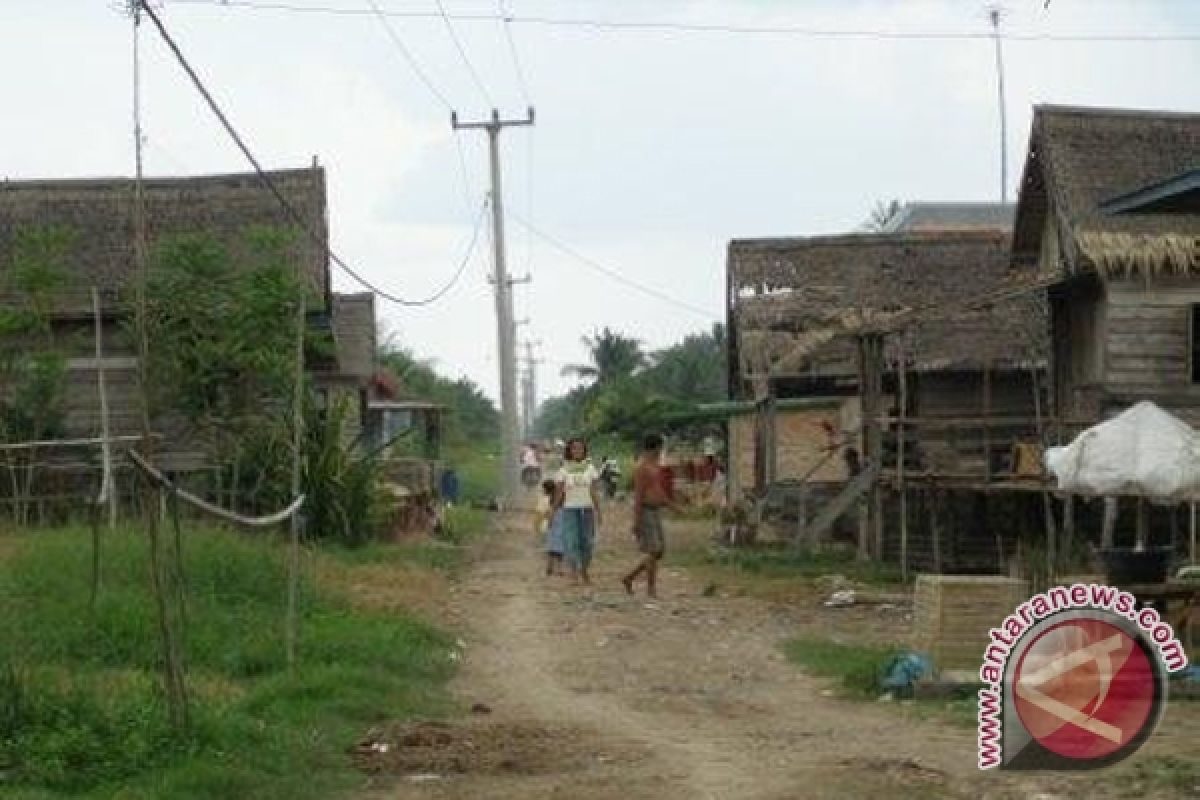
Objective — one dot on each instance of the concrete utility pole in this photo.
(994, 14)
(529, 404)
(505, 327)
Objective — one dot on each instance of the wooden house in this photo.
(1110, 200)
(952, 389)
(98, 214)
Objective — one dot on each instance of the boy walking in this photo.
(649, 497)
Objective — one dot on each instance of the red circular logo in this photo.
(1084, 688)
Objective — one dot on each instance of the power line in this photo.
(466, 260)
(297, 218)
(506, 25)
(523, 85)
(462, 52)
(670, 26)
(410, 58)
(407, 54)
(612, 273)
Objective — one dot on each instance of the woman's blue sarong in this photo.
(554, 534)
(579, 535)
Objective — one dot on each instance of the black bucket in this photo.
(1124, 565)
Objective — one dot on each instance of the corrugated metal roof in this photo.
(952, 217)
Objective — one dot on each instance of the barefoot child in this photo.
(649, 497)
(547, 524)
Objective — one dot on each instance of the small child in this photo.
(547, 525)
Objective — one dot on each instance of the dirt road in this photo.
(591, 694)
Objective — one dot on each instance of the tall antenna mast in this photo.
(994, 14)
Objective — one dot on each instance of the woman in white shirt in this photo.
(580, 508)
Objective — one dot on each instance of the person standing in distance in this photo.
(649, 498)
(580, 508)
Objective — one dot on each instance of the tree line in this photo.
(625, 390)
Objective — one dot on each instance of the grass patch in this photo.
(856, 668)
(779, 562)
(447, 554)
(81, 712)
(858, 672)
(478, 470)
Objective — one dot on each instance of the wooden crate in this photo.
(952, 615)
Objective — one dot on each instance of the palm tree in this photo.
(882, 215)
(612, 355)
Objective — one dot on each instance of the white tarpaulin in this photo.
(1143, 451)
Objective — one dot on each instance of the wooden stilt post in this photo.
(1109, 527)
(987, 426)
(870, 355)
(1047, 501)
(1143, 524)
(1051, 546)
(865, 413)
(1192, 528)
(902, 410)
(1068, 539)
(772, 438)
(935, 529)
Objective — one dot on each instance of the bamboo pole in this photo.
(108, 493)
(173, 671)
(294, 538)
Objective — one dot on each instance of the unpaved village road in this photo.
(593, 694)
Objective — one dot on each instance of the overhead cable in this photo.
(296, 217)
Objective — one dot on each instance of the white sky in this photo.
(652, 149)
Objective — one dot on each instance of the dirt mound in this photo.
(477, 747)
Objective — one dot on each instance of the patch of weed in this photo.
(81, 712)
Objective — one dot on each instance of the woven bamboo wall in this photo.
(952, 615)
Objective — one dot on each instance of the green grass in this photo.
(857, 671)
(81, 712)
(857, 668)
(446, 554)
(776, 562)
(478, 469)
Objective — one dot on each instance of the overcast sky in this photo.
(651, 150)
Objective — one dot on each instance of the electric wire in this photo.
(297, 218)
(407, 54)
(506, 26)
(462, 52)
(670, 26)
(409, 58)
(612, 273)
(523, 86)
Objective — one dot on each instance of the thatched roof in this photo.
(1106, 177)
(801, 295)
(99, 215)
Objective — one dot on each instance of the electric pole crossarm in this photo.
(494, 122)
